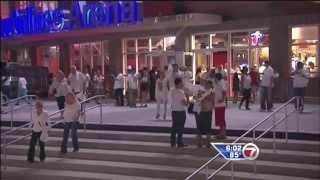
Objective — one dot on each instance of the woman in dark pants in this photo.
(246, 88)
(204, 118)
(39, 126)
(59, 88)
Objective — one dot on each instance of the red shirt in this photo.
(254, 77)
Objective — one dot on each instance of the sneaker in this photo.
(157, 116)
(182, 145)
(75, 150)
(30, 161)
(164, 118)
(248, 109)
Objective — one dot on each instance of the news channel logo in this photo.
(237, 151)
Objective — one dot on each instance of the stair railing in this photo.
(271, 116)
(51, 123)
(12, 103)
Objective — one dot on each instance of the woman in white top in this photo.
(162, 89)
(71, 116)
(39, 126)
(246, 87)
(300, 82)
(59, 88)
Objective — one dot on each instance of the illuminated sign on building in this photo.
(31, 21)
(256, 38)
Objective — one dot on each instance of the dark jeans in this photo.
(67, 126)
(246, 97)
(152, 91)
(299, 92)
(178, 121)
(60, 102)
(35, 137)
(118, 93)
(265, 98)
(204, 122)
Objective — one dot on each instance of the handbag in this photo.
(44, 134)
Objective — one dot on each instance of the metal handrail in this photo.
(3, 136)
(12, 101)
(17, 99)
(205, 165)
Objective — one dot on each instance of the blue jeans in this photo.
(67, 126)
(265, 98)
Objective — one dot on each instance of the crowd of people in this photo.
(173, 86)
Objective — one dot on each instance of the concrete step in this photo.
(156, 147)
(190, 161)
(266, 143)
(132, 169)
(15, 173)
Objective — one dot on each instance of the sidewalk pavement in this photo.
(307, 122)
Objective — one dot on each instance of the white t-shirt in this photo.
(62, 87)
(77, 81)
(219, 88)
(176, 97)
(23, 82)
(99, 80)
(71, 111)
(300, 79)
(162, 88)
(246, 82)
(87, 79)
(39, 121)
(7, 82)
(132, 81)
(118, 82)
(268, 74)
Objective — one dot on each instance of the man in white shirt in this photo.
(173, 73)
(77, 82)
(132, 88)
(118, 89)
(22, 88)
(266, 85)
(71, 116)
(178, 107)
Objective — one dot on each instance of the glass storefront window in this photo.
(202, 41)
(305, 47)
(240, 39)
(130, 46)
(156, 44)
(219, 40)
(143, 45)
(50, 57)
(131, 61)
(170, 43)
(306, 54)
(258, 56)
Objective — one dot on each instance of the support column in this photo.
(115, 51)
(279, 58)
(33, 56)
(64, 58)
(180, 47)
